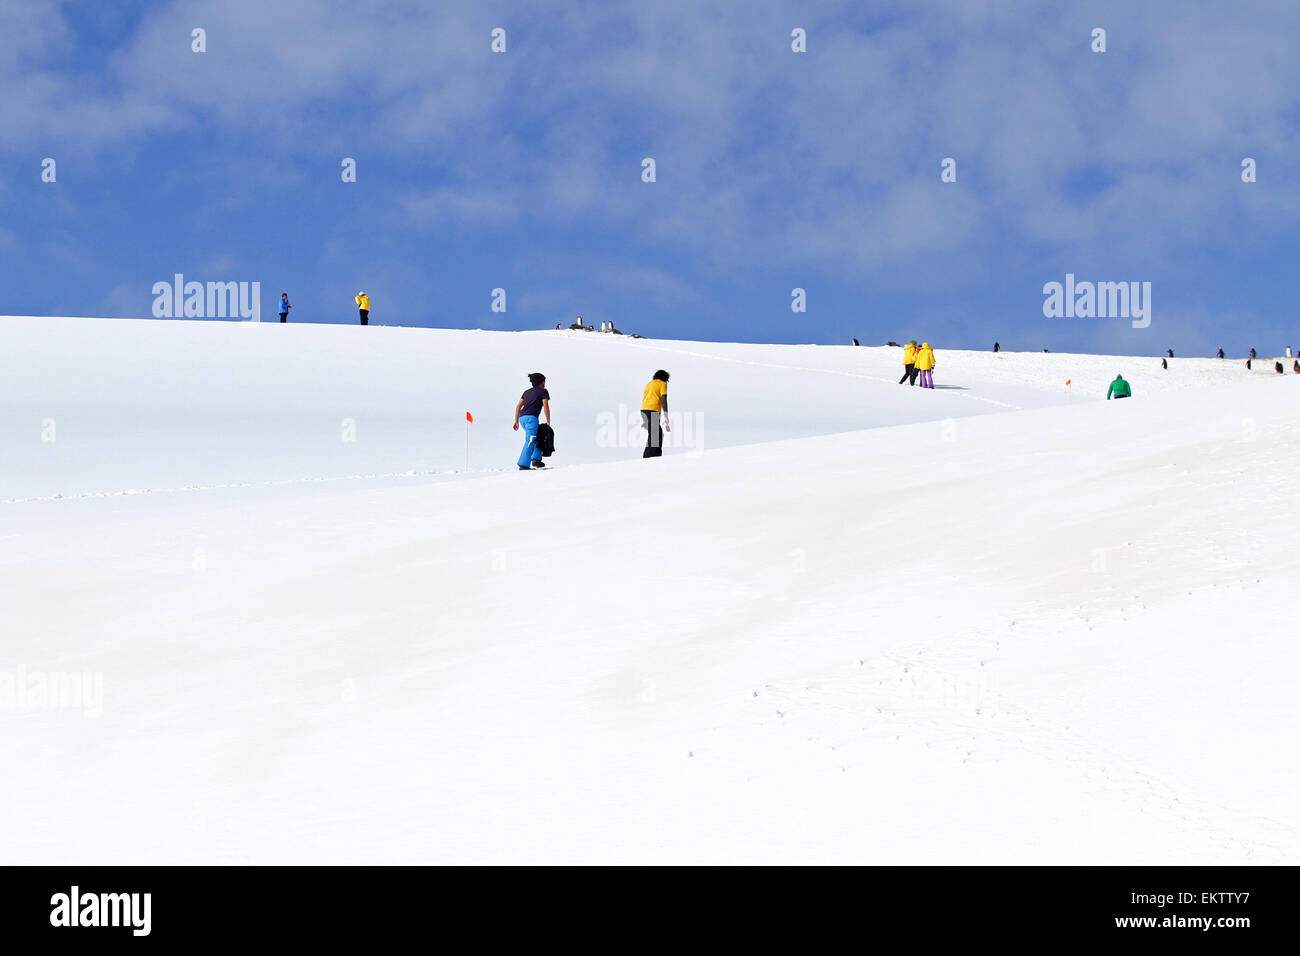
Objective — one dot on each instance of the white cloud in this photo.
(466, 205)
(827, 159)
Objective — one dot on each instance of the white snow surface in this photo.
(256, 610)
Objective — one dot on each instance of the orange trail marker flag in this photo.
(468, 420)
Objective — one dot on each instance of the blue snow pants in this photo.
(531, 452)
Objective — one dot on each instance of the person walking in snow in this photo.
(284, 307)
(909, 363)
(1118, 388)
(363, 305)
(534, 402)
(654, 403)
(925, 365)
(997, 347)
(1220, 353)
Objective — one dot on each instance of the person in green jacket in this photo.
(1118, 388)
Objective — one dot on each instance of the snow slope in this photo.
(991, 623)
(153, 405)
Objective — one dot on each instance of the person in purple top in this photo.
(534, 402)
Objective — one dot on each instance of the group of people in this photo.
(535, 402)
(362, 300)
(918, 361)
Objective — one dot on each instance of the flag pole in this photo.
(467, 421)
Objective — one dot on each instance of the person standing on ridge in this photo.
(909, 363)
(997, 347)
(1118, 388)
(363, 305)
(654, 402)
(284, 307)
(925, 365)
(1220, 353)
(532, 403)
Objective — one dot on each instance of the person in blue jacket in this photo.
(532, 403)
(284, 307)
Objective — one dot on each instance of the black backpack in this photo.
(546, 440)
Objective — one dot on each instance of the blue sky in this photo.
(775, 169)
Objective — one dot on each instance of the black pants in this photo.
(365, 316)
(909, 375)
(284, 316)
(654, 443)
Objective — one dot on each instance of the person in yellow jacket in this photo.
(363, 303)
(909, 363)
(925, 364)
(654, 401)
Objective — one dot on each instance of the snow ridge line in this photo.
(804, 368)
(127, 492)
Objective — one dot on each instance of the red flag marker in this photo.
(468, 419)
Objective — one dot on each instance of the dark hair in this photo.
(661, 375)
(537, 378)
